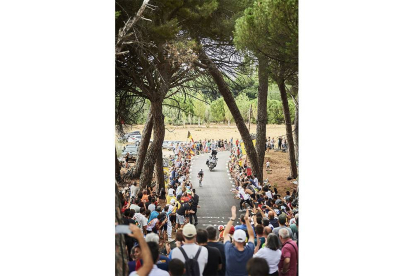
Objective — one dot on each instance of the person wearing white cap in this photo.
(191, 249)
(238, 253)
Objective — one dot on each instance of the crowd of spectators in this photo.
(264, 243)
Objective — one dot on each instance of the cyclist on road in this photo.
(200, 176)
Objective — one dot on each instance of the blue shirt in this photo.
(236, 260)
(153, 215)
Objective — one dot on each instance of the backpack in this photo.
(191, 265)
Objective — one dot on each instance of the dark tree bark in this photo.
(231, 104)
(288, 123)
(143, 147)
(121, 255)
(159, 170)
(262, 114)
(159, 132)
(117, 168)
(296, 129)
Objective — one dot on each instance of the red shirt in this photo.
(289, 250)
(249, 171)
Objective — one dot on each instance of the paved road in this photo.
(215, 196)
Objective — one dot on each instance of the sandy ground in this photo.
(280, 170)
(214, 131)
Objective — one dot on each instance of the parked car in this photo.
(134, 138)
(132, 150)
(167, 145)
(126, 136)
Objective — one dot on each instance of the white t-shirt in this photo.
(151, 207)
(155, 271)
(141, 219)
(271, 256)
(171, 192)
(135, 207)
(134, 190)
(269, 194)
(244, 195)
(179, 190)
(267, 164)
(191, 250)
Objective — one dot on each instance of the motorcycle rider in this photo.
(212, 157)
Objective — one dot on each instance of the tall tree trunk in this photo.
(288, 123)
(121, 255)
(296, 129)
(262, 113)
(159, 132)
(117, 168)
(159, 170)
(143, 146)
(231, 104)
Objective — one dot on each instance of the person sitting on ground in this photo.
(176, 268)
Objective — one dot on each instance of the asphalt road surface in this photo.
(215, 196)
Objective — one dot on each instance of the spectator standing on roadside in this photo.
(153, 246)
(194, 207)
(145, 251)
(214, 261)
(272, 220)
(134, 190)
(141, 220)
(271, 253)
(151, 207)
(238, 253)
(257, 267)
(212, 241)
(190, 248)
(282, 222)
(176, 268)
(288, 265)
